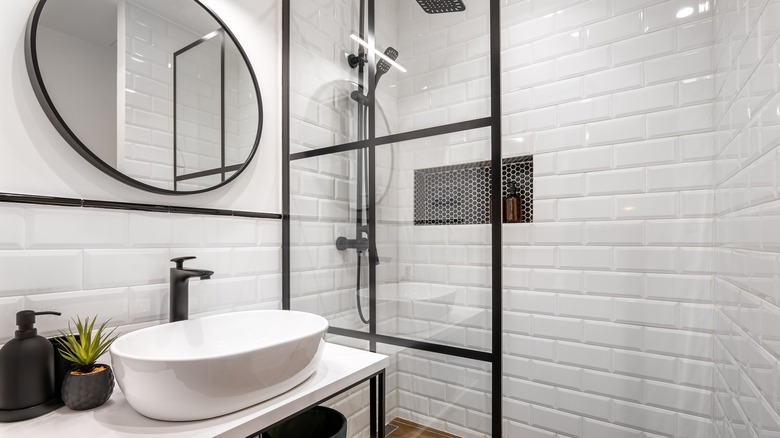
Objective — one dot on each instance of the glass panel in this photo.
(322, 113)
(198, 107)
(323, 208)
(434, 278)
(447, 61)
(446, 393)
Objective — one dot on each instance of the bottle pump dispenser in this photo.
(27, 372)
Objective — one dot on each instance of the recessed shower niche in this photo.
(460, 194)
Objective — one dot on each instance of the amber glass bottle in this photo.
(512, 205)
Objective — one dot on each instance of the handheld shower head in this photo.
(383, 66)
(442, 6)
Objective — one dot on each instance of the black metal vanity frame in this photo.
(377, 417)
(494, 356)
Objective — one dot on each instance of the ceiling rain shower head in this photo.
(442, 6)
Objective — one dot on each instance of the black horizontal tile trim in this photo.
(125, 206)
(129, 206)
(395, 138)
(205, 211)
(256, 214)
(466, 353)
(44, 200)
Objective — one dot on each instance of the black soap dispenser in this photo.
(27, 372)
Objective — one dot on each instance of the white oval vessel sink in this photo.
(203, 368)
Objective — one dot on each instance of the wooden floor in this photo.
(408, 429)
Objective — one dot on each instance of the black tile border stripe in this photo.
(130, 206)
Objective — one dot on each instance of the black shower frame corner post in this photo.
(376, 387)
(285, 152)
(495, 227)
(494, 356)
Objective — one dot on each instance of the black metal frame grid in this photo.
(494, 357)
(42, 94)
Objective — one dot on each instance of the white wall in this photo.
(747, 202)
(38, 161)
(86, 96)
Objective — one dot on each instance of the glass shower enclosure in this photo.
(393, 172)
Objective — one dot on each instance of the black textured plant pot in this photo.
(81, 392)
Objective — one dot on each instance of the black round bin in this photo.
(317, 422)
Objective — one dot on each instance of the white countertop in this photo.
(340, 368)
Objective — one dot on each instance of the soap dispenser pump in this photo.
(27, 372)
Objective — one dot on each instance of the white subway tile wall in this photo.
(746, 261)
(115, 264)
(609, 334)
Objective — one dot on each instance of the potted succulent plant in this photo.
(88, 384)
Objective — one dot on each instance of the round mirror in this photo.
(158, 94)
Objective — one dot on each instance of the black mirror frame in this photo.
(36, 79)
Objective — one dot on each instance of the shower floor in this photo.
(407, 429)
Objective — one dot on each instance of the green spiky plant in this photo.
(82, 347)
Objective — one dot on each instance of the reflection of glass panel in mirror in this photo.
(156, 93)
(240, 107)
(198, 116)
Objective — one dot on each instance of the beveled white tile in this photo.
(679, 66)
(584, 62)
(585, 111)
(11, 227)
(21, 271)
(620, 27)
(229, 232)
(673, 13)
(75, 228)
(105, 268)
(616, 131)
(148, 303)
(615, 79)
(105, 303)
(645, 100)
(645, 153)
(255, 261)
(644, 47)
(227, 293)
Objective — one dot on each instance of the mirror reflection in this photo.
(158, 91)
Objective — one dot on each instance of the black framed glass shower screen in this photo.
(453, 91)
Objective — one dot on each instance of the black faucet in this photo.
(180, 278)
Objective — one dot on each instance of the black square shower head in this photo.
(442, 6)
